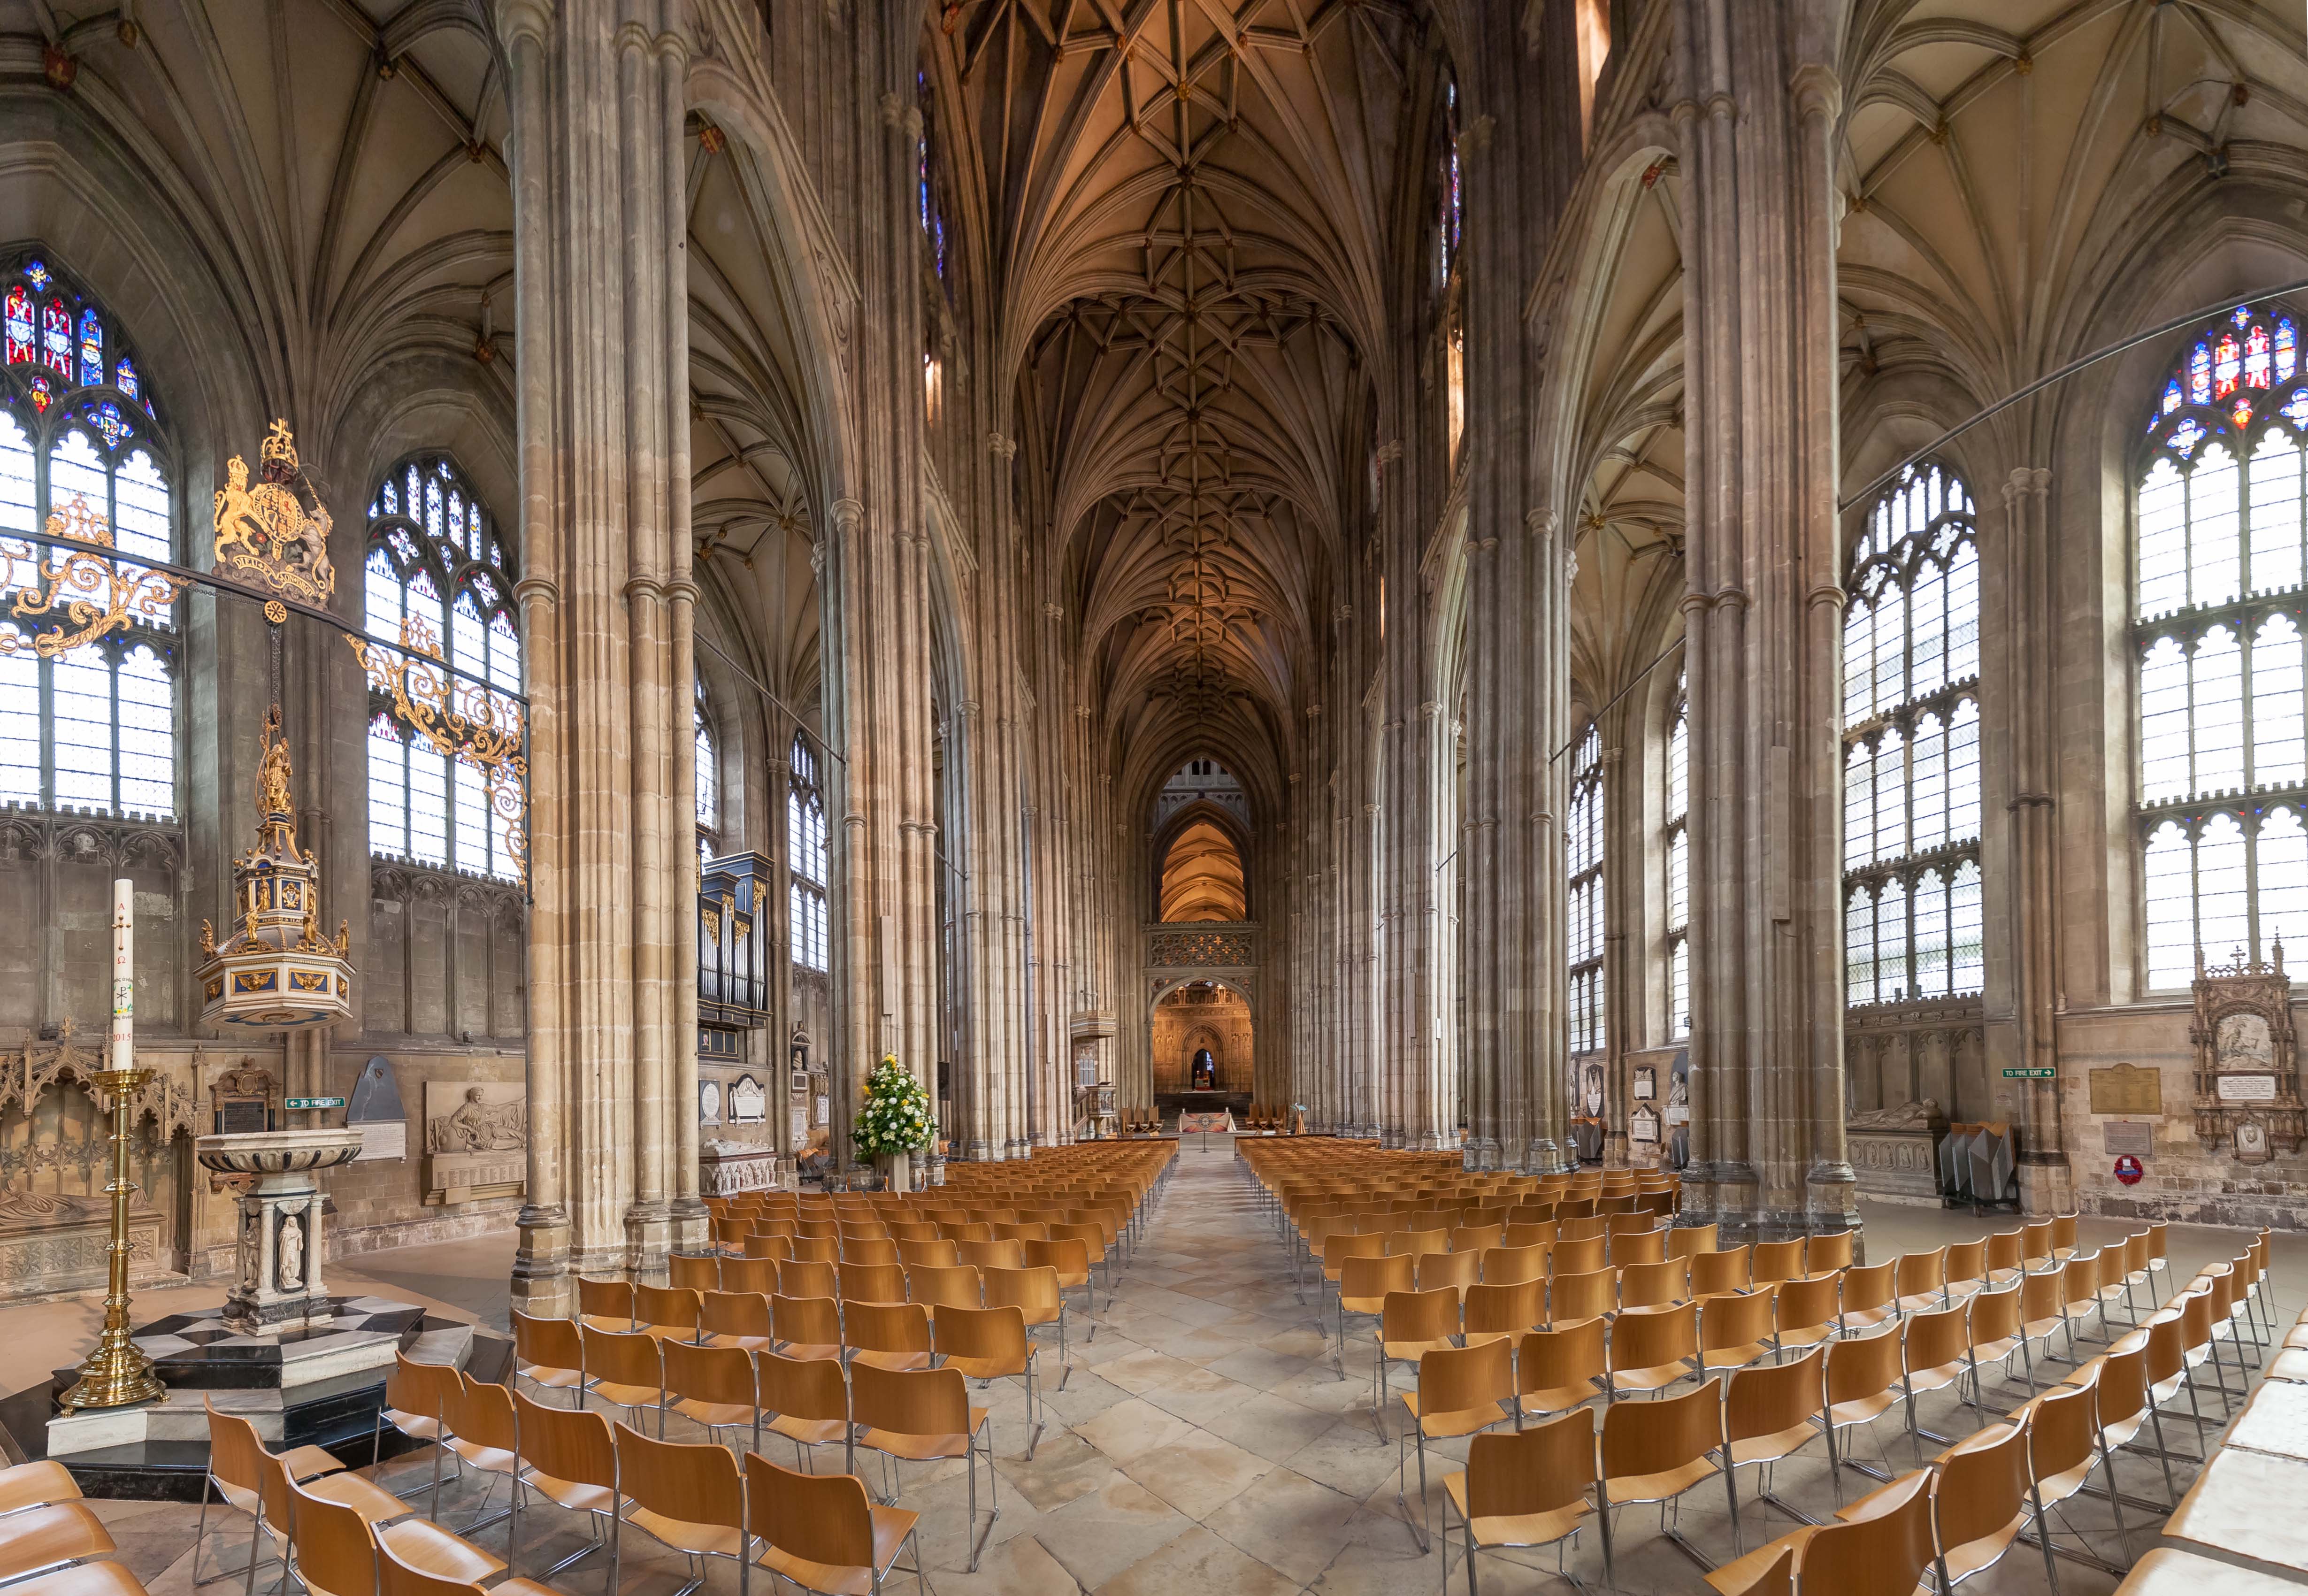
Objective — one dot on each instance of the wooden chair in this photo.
(2003, 1261)
(821, 1533)
(482, 1434)
(739, 1319)
(1886, 1554)
(1993, 1336)
(991, 1343)
(714, 1386)
(1410, 1325)
(806, 1326)
(892, 1335)
(806, 1401)
(1656, 1451)
(1452, 1271)
(1652, 1348)
(1069, 1257)
(993, 1255)
(2064, 1450)
(1629, 1248)
(1683, 1240)
(391, 1519)
(756, 1277)
(55, 1541)
(1534, 1488)
(1966, 1269)
(768, 1248)
(1934, 1354)
(1037, 1295)
(932, 1254)
(1572, 1298)
(1824, 1254)
(861, 1283)
(809, 1277)
(570, 1460)
(627, 1370)
(2043, 1314)
(234, 1474)
(815, 1249)
(1540, 1234)
(1771, 1413)
(1774, 1263)
(1512, 1265)
(1476, 1239)
(1869, 1299)
(335, 1554)
(870, 1249)
(1582, 1256)
(667, 1312)
(547, 1353)
(1862, 1385)
(1804, 1312)
(397, 1577)
(1736, 1331)
(416, 1402)
(1979, 1501)
(601, 1304)
(689, 1498)
(1364, 1282)
(919, 1415)
(1461, 1392)
(2126, 1406)
(1920, 1282)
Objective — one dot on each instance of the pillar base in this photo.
(1545, 1157)
(693, 1224)
(540, 1263)
(648, 1234)
(2047, 1184)
(1479, 1153)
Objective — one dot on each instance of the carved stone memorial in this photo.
(1895, 1152)
(475, 1140)
(2247, 1066)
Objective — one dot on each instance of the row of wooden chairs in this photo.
(50, 1543)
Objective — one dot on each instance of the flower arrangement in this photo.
(896, 1116)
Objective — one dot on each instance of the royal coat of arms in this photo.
(267, 537)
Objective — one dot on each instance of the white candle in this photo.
(123, 975)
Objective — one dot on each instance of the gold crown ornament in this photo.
(265, 535)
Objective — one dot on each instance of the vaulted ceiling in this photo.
(1192, 207)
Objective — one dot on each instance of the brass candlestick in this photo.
(117, 1373)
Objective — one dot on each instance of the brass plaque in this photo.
(2127, 1088)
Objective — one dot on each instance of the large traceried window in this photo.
(1677, 809)
(437, 580)
(708, 782)
(1583, 864)
(806, 846)
(1912, 908)
(2223, 548)
(94, 728)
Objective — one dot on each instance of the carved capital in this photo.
(1003, 449)
(848, 515)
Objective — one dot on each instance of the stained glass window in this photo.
(933, 216)
(1453, 194)
(2220, 536)
(805, 857)
(1912, 909)
(1677, 812)
(708, 782)
(435, 581)
(92, 729)
(1583, 864)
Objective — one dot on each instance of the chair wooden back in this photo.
(1632, 1247)
(1505, 1309)
(1806, 1303)
(806, 1321)
(1690, 1239)
(736, 1312)
(2063, 1427)
(993, 1255)
(2079, 1281)
(236, 1452)
(885, 1327)
(1456, 1271)
(1885, 1555)
(1777, 1261)
(481, 1411)
(623, 1357)
(396, 1577)
(680, 1480)
(1369, 1280)
(695, 1271)
(336, 1555)
(993, 1334)
(1035, 1291)
(1863, 1365)
(1967, 1263)
(938, 1254)
(1540, 1235)
(2035, 1241)
(541, 1344)
(821, 1520)
(1592, 1228)
(1655, 1285)
(801, 1387)
(1994, 1315)
(871, 1282)
(1834, 1250)
(1478, 1240)
(1930, 1340)
(1869, 1286)
(1419, 1316)
(1466, 1381)
(1766, 1399)
(1714, 1273)
(2064, 1233)
(711, 1374)
(1583, 1256)
(2043, 1299)
(667, 1307)
(2123, 1380)
(1570, 1298)
(1539, 1469)
(870, 1250)
(1507, 1265)
(1652, 1337)
(1739, 1320)
(2002, 1252)
(817, 1250)
(1981, 1485)
(1664, 1434)
(606, 1299)
(1069, 1255)
(768, 1248)
(925, 1402)
(566, 1443)
(809, 1277)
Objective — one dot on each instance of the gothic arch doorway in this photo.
(1197, 1019)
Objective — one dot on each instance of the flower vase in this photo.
(897, 1171)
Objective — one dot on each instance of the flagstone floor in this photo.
(1204, 1441)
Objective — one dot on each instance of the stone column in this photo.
(1764, 615)
(597, 110)
(2047, 1182)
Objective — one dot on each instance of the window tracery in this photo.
(92, 728)
(1912, 904)
(1584, 849)
(1677, 810)
(2221, 545)
(436, 579)
(807, 857)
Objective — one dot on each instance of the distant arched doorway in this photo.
(1203, 1041)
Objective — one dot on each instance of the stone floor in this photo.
(1203, 1442)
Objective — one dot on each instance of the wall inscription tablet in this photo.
(2127, 1088)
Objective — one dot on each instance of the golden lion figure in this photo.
(264, 535)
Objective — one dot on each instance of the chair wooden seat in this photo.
(1463, 1421)
(429, 1548)
(492, 1459)
(1774, 1447)
(1518, 1529)
(87, 1579)
(373, 1502)
(682, 1535)
(572, 1494)
(1767, 1571)
(43, 1537)
(37, 1484)
(919, 1449)
(1660, 1487)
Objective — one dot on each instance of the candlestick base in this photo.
(115, 1374)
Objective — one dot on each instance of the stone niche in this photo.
(475, 1140)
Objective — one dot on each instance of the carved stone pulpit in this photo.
(2247, 1064)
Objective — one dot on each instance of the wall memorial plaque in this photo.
(749, 1102)
(2247, 1074)
(2247, 1088)
(1643, 1127)
(245, 1101)
(2128, 1137)
(1646, 1082)
(2128, 1089)
(475, 1140)
(709, 1102)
